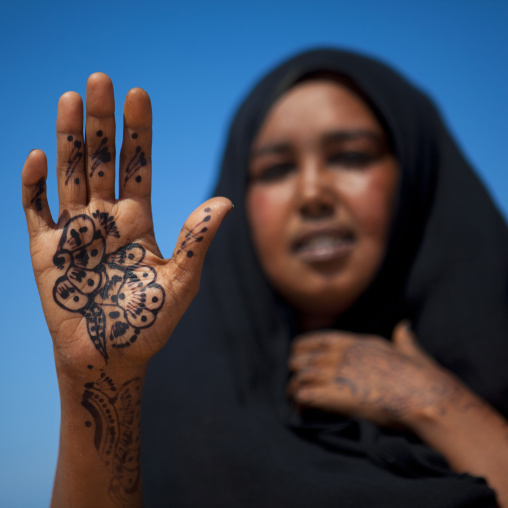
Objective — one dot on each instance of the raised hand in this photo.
(389, 383)
(107, 294)
(110, 300)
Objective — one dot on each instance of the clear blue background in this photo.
(197, 59)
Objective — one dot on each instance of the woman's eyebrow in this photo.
(347, 135)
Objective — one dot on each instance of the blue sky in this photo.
(197, 59)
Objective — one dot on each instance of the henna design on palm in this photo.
(115, 292)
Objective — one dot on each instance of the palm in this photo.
(102, 281)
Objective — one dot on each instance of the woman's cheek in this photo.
(371, 203)
(267, 212)
(265, 209)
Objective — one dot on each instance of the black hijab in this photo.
(218, 429)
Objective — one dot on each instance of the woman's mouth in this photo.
(323, 245)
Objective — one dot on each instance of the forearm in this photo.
(472, 436)
(98, 462)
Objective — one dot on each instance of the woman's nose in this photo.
(315, 194)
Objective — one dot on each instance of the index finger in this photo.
(320, 340)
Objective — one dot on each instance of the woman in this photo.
(347, 221)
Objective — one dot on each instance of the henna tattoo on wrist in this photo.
(115, 292)
(195, 235)
(39, 191)
(75, 156)
(137, 161)
(101, 155)
(115, 420)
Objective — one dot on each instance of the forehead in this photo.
(314, 106)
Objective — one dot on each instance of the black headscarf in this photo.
(218, 429)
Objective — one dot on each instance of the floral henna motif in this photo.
(115, 292)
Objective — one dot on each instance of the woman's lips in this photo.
(324, 245)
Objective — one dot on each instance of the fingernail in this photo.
(230, 210)
(407, 324)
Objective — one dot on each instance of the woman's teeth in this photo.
(324, 247)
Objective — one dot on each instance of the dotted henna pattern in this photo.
(195, 235)
(75, 157)
(137, 161)
(101, 155)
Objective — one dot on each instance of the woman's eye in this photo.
(274, 172)
(351, 159)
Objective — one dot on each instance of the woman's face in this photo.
(322, 187)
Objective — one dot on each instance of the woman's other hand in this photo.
(397, 384)
(390, 383)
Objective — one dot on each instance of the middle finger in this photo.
(100, 137)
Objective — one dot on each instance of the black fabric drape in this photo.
(218, 429)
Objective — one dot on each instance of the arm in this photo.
(110, 300)
(98, 460)
(472, 436)
(396, 384)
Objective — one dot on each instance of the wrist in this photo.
(79, 364)
(448, 417)
(438, 405)
(74, 379)
(100, 425)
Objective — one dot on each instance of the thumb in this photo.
(404, 339)
(193, 242)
